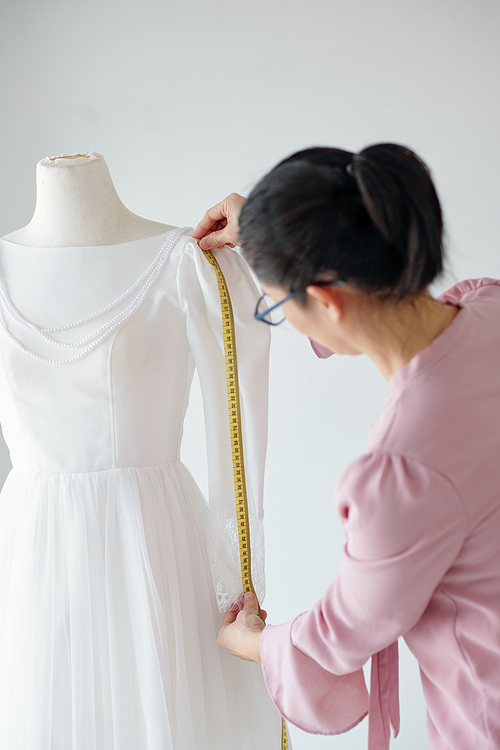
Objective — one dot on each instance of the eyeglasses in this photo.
(263, 312)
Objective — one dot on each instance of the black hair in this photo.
(372, 218)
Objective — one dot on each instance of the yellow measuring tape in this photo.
(233, 398)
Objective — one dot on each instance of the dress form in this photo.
(107, 546)
(77, 206)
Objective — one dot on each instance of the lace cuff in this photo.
(224, 555)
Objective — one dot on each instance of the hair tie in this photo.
(349, 168)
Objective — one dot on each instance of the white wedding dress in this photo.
(108, 616)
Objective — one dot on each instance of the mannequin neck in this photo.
(77, 206)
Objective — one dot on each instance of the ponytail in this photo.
(372, 218)
(401, 201)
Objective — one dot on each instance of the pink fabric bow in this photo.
(383, 709)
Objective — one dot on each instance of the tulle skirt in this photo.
(108, 620)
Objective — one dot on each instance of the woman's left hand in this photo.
(241, 632)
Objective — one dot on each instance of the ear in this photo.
(330, 297)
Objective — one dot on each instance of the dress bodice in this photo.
(123, 403)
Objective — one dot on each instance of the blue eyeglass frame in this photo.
(261, 316)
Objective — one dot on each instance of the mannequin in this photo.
(113, 567)
(77, 206)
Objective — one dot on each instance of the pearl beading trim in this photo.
(154, 270)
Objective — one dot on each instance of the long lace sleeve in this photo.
(199, 299)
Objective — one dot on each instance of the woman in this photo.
(346, 245)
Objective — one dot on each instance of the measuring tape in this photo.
(233, 399)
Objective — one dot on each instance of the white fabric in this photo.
(108, 618)
(199, 295)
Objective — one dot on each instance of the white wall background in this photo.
(191, 100)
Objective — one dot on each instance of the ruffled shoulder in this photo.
(467, 290)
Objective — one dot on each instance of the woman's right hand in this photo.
(220, 225)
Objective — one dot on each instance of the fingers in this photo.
(220, 225)
(247, 618)
(216, 239)
(241, 631)
(230, 616)
(212, 216)
(251, 605)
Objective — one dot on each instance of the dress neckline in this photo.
(140, 288)
(86, 247)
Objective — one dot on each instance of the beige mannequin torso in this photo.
(77, 206)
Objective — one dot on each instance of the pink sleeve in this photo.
(304, 693)
(404, 526)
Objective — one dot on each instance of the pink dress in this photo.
(421, 515)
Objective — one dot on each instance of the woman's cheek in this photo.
(297, 319)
